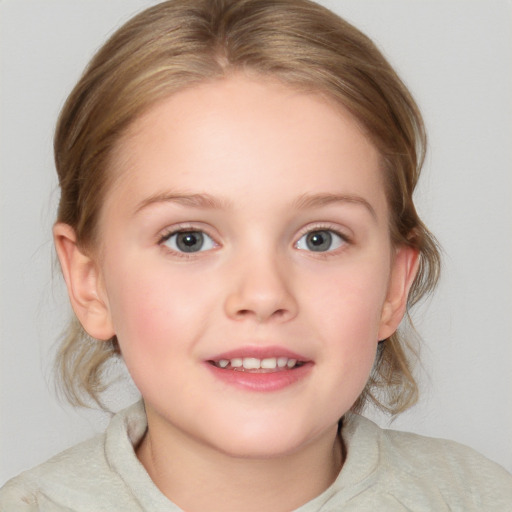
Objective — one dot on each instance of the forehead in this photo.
(241, 135)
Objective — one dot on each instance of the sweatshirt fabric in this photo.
(384, 470)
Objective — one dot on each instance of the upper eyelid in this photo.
(166, 233)
(325, 226)
(184, 227)
(165, 236)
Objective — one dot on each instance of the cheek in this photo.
(155, 321)
(351, 300)
(349, 308)
(349, 353)
(153, 311)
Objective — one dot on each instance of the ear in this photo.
(403, 271)
(84, 284)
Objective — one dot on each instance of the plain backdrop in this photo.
(456, 57)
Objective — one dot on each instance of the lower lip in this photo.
(261, 382)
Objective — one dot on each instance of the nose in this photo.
(260, 291)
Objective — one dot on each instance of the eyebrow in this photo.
(318, 200)
(205, 201)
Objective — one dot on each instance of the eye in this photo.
(189, 241)
(321, 240)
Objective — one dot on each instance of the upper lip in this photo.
(259, 352)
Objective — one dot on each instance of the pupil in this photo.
(319, 241)
(190, 241)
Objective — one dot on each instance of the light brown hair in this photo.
(178, 43)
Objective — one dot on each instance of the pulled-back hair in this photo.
(179, 43)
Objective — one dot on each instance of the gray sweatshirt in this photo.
(385, 471)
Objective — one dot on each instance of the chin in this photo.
(266, 439)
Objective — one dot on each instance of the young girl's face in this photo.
(246, 265)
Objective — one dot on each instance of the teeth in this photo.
(269, 363)
(281, 361)
(252, 363)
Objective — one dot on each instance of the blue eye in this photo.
(189, 241)
(321, 240)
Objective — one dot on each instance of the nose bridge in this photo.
(261, 287)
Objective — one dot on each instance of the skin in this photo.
(270, 165)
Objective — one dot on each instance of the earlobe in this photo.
(404, 269)
(83, 281)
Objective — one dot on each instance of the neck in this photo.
(200, 478)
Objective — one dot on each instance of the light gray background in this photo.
(456, 56)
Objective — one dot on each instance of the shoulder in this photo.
(84, 477)
(452, 466)
(37, 488)
(416, 468)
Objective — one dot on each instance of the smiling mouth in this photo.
(255, 365)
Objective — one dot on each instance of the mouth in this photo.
(256, 365)
(259, 369)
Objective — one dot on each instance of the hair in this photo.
(180, 43)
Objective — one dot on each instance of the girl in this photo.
(236, 222)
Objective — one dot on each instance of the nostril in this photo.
(277, 314)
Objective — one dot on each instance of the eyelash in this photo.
(168, 234)
(176, 230)
(347, 240)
